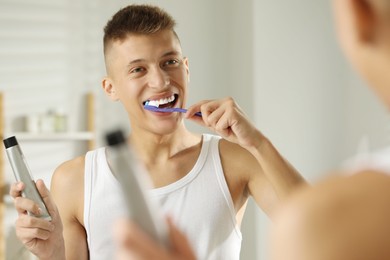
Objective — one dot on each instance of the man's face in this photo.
(148, 68)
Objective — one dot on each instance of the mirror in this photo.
(281, 63)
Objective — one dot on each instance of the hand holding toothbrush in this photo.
(226, 118)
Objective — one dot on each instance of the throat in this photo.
(175, 168)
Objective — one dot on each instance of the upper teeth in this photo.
(159, 102)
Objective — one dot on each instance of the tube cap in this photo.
(10, 141)
(115, 137)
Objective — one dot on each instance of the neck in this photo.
(154, 147)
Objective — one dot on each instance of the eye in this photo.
(171, 63)
(137, 70)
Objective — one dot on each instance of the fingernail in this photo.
(39, 211)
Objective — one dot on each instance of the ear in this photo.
(185, 61)
(109, 89)
(365, 20)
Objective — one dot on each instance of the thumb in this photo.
(180, 242)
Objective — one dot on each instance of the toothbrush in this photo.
(168, 109)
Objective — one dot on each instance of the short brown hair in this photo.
(137, 19)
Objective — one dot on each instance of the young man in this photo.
(340, 218)
(201, 181)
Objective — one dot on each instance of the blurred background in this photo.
(278, 59)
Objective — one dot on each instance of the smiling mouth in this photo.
(163, 102)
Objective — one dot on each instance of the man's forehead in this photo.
(144, 43)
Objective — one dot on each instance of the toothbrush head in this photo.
(153, 108)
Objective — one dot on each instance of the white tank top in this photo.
(199, 203)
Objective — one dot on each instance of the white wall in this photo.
(366, 118)
(299, 87)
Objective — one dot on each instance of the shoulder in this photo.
(69, 173)
(348, 211)
(233, 156)
(239, 167)
(229, 149)
(338, 191)
(67, 188)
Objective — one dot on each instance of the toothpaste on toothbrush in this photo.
(153, 103)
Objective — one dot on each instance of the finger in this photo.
(16, 189)
(23, 205)
(123, 254)
(210, 106)
(137, 241)
(221, 120)
(29, 228)
(214, 117)
(121, 234)
(180, 241)
(27, 234)
(27, 221)
(195, 108)
(121, 231)
(47, 199)
(225, 124)
(197, 119)
(206, 107)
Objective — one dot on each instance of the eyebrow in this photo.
(170, 53)
(135, 61)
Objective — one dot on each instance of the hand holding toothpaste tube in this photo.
(41, 237)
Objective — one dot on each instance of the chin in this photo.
(164, 129)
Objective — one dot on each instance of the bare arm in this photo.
(67, 188)
(282, 175)
(270, 178)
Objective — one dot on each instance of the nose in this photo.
(158, 78)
